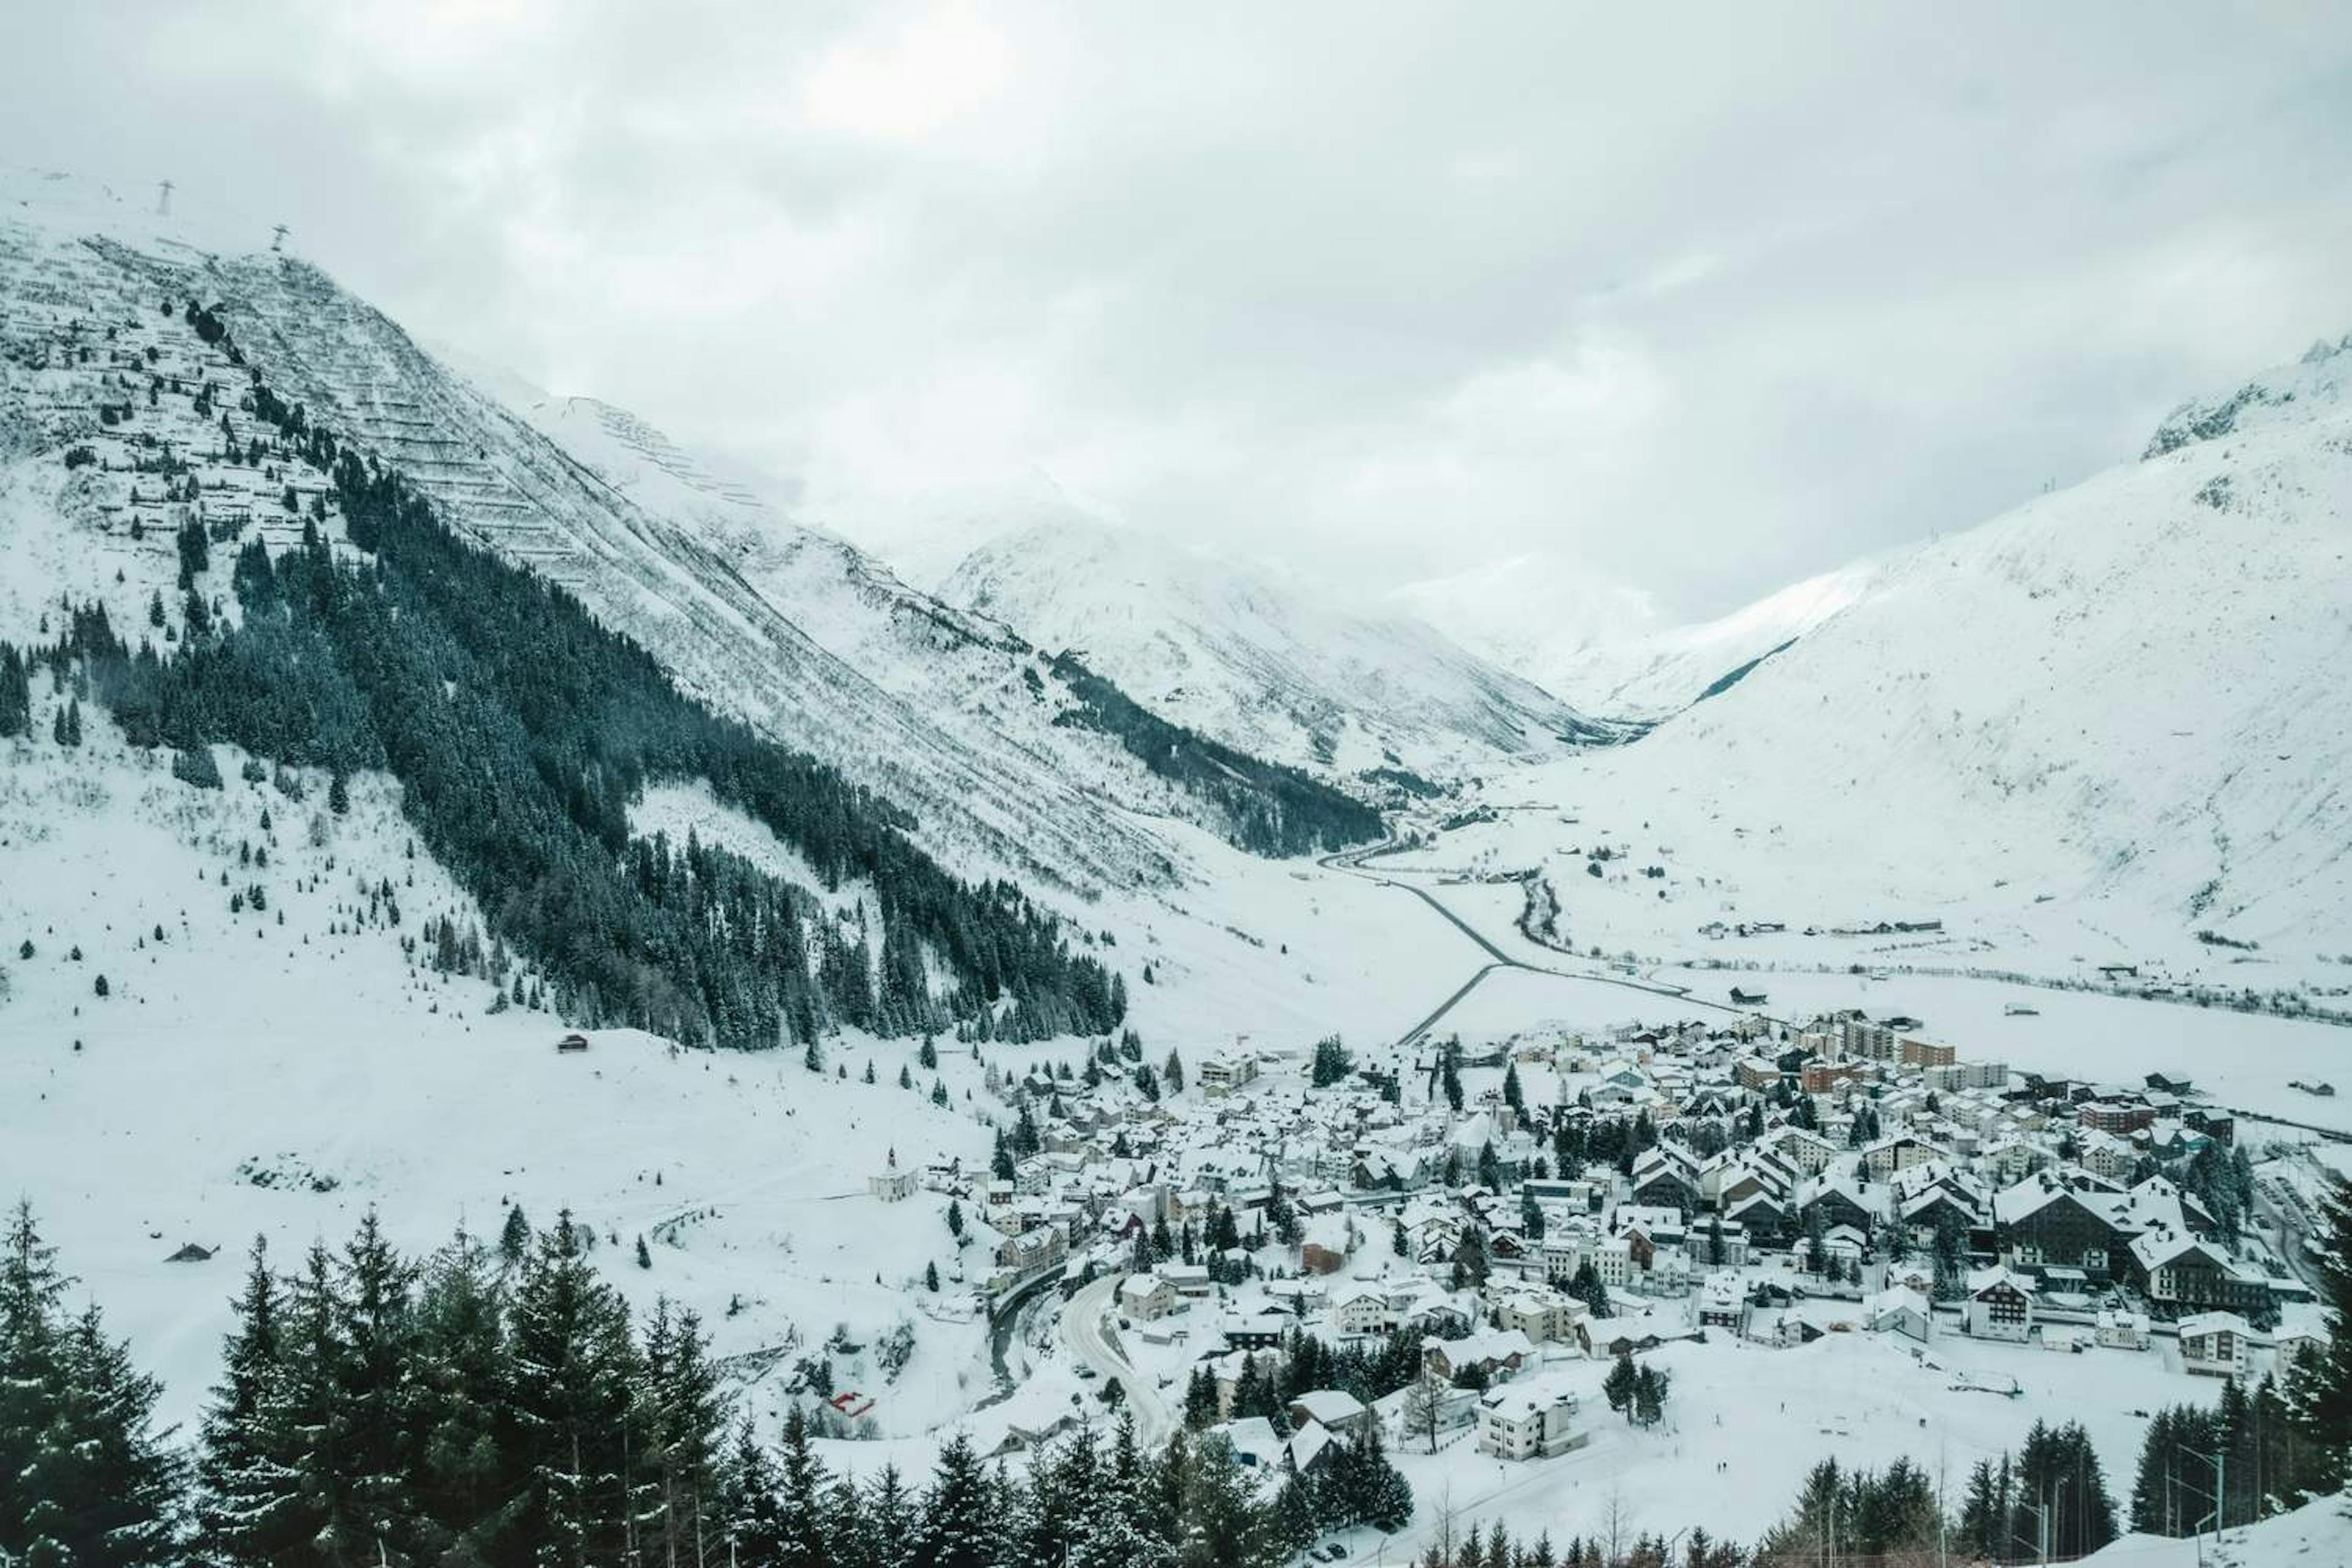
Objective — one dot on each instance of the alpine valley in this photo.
(1104, 984)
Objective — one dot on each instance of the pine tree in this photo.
(309, 1488)
(958, 1511)
(751, 1504)
(15, 694)
(31, 1354)
(889, 1523)
(103, 1489)
(800, 1483)
(514, 1237)
(570, 1418)
(683, 1410)
(461, 1498)
(2321, 1389)
(1619, 1386)
(1386, 1497)
(238, 1508)
(1222, 1526)
(1649, 1395)
(1119, 1528)
(371, 1391)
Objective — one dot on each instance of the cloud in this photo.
(1379, 297)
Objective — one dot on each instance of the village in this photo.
(1453, 1249)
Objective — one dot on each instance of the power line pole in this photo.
(164, 199)
(277, 237)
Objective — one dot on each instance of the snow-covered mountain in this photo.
(1647, 676)
(949, 714)
(2127, 695)
(1537, 615)
(1260, 665)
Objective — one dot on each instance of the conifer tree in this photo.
(310, 1486)
(889, 1522)
(236, 1516)
(514, 1237)
(372, 1393)
(568, 1420)
(958, 1511)
(462, 1495)
(751, 1503)
(2320, 1388)
(1619, 1386)
(682, 1408)
(801, 1481)
(106, 1489)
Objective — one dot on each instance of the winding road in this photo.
(1352, 862)
(1084, 1335)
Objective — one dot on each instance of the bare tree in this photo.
(1616, 1523)
(1424, 1405)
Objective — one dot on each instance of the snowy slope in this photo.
(1651, 675)
(280, 1069)
(1536, 616)
(1258, 665)
(948, 714)
(1648, 677)
(2082, 732)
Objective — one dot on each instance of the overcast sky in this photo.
(1697, 299)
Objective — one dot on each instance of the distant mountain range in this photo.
(1263, 665)
(2133, 688)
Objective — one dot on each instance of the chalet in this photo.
(1747, 998)
(2215, 1344)
(1038, 1248)
(1535, 1421)
(1666, 1184)
(2219, 1125)
(1261, 1331)
(1362, 1309)
(1332, 1408)
(1146, 1298)
(2176, 1270)
(1900, 1152)
(1720, 1305)
(1191, 1279)
(2046, 1220)
(1541, 1315)
(1220, 1076)
(1999, 1305)
(2122, 1330)
(569, 1044)
(1255, 1444)
(1498, 1354)
(1836, 1204)
(1765, 1218)
(1901, 1311)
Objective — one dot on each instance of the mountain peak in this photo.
(2281, 394)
